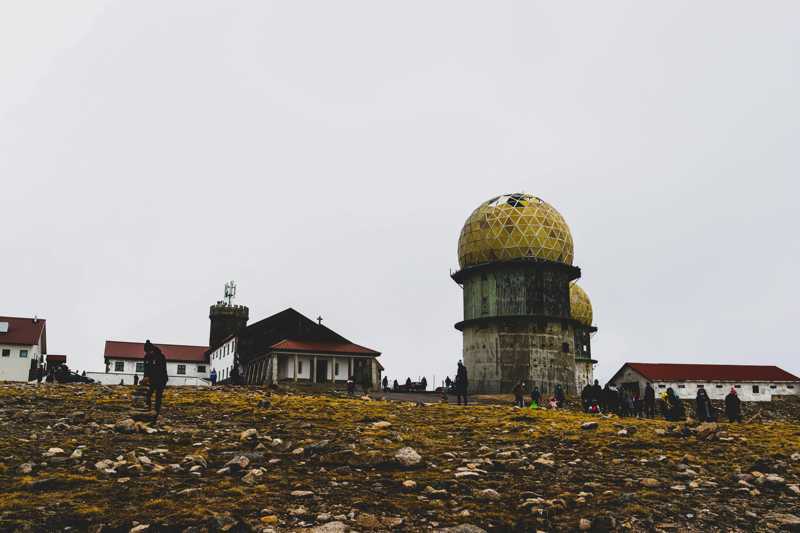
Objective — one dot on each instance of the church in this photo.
(284, 347)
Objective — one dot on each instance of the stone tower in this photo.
(515, 255)
(226, 319)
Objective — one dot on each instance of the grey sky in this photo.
(325, 155)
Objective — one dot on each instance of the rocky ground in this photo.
(77, 457)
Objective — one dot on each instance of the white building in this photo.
(753, 383)
(186, 365)
(23, 343)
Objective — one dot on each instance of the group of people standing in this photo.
(624, 402)
(556, 401)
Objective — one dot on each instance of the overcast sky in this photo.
(325, 155)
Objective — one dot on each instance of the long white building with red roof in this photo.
(753, 383)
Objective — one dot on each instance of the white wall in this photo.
(114, 378)
(14, 367)
(687, 390)
(222, 358)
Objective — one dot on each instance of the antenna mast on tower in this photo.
(230, 292)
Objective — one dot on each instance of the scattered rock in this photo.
(383, 424)
(301, 493)
(589, 425)
(649, 482)
(490, 494)
(127, 425)
(408, 457)
(248, 435)
(25, 468)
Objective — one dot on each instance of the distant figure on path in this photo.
(596, 392)
(733, 406)
(385, 384)
(519, 394)
(351, 386)
(673, 407)
(649, 401)
(703, 407)
(213, 376)
(155, 370)
(461, 383)
(395, 385)
(423, 383)
(559, 396)
(448, 382)
(135, 379)
(536, 397)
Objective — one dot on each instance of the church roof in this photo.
(333, 347)
(700, 372)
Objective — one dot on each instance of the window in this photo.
(6, 352)
(701, 386)
(773, 386)
(201, 369)
(737, 386)
(181, 370)
(336, 368)
(299, 367)
(23, 353)
(719, 386)
(119, 366)
(755, 389)
(789, 386)
(661, 386)
(681, 386)
(139, 368)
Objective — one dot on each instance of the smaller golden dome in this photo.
(580, 307)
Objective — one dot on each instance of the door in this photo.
(321, 371)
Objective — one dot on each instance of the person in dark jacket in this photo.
(703, 407)
(733, 406)
(536, 396)
(649, 401)
(519, 394)
(135, 379)
(385, 384)
(155, 370)
(559, 396)
(395, 386)
(597, 392)
(673, 407)
(423, 383)
(586, 394)
(448, 382)
(461, 383)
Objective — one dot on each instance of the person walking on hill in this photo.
(536, 397)
(385, 384)
(559, 396)
(733, 406)
(597, 392)
(703, 407)
(213, 376)
(673, 407)
(649, 401)
(461, 383)
(155, 370)
(519, 394)
(586, 392)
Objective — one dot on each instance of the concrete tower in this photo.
(581, 312)
(515, 255)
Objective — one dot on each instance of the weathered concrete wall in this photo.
(584, 373)
(541, 352)
(539, 291)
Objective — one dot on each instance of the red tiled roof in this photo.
(172, 352)
(694, 372)
(334, 347)
(22, 331)
(54, 358)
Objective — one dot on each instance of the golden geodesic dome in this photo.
(514, 226)
(580, 307)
